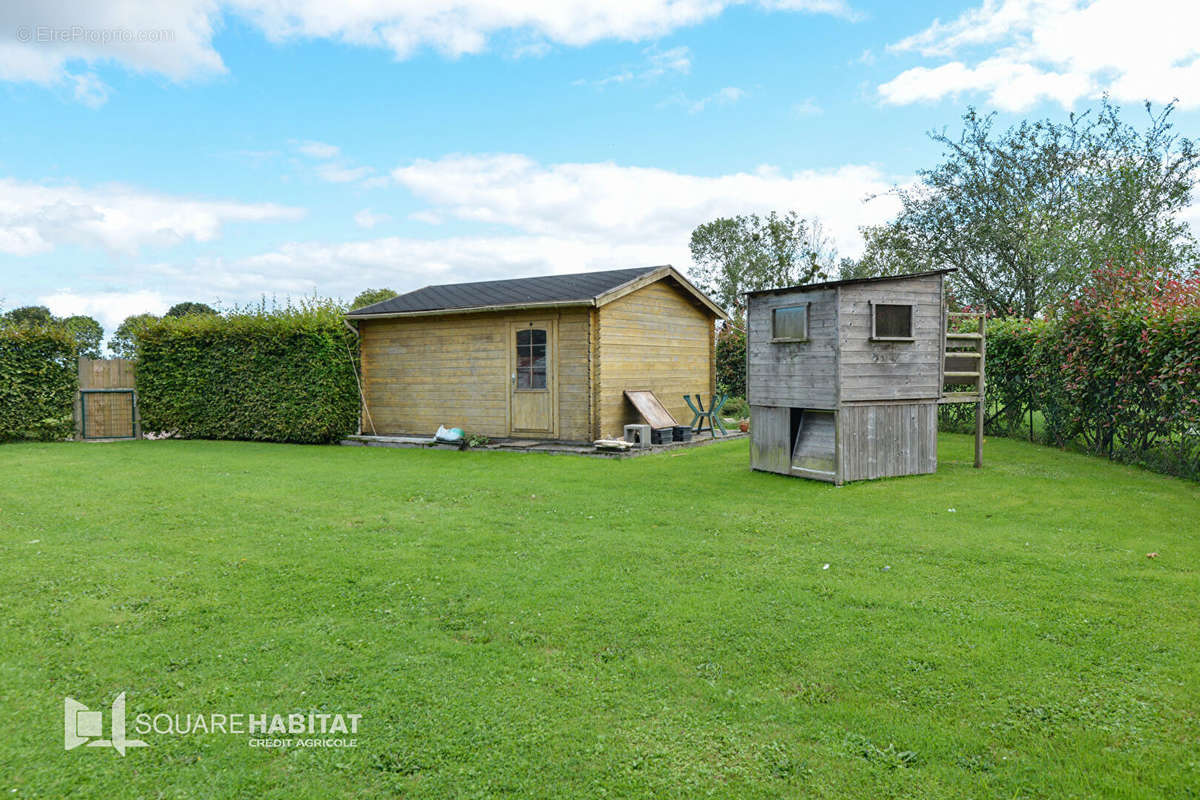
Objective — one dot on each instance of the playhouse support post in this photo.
(981, 405)
(979, 414)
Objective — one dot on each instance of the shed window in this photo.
(531, 359)
(891, 322)
(789, 324)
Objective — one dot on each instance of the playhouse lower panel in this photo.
(850, 443)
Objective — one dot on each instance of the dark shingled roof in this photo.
(580, 287)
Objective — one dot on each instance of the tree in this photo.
(731, 360)
(123, 343)
(189, 308)
(887, 250)
(1025, 215)
(734, 255)
(87, 333)
(370, 296)
(30, 315)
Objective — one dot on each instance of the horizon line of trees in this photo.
(88, 333)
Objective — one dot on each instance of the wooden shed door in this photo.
(532, 383)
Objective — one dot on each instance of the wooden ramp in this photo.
(653, 411)
(814, 451)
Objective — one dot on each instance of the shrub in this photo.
(38, 380)
(736, 408)
(1115, 372)
(1013, 351)
(281, 375)
(1128, 360)
(731, 360)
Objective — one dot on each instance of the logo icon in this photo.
(80, 725)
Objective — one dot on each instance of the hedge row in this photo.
(276, 376)
(1116, 373)
(38, 380)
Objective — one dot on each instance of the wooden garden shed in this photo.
(544, 358)
(844, 378)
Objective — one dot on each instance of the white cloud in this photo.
(428, 217)
(333, 168)
(722, 97)
(346, 268)
(627, 205)
(1020, 52)
(319, 150)
(340, 173)
(807, 108)
(90, 90)
(539, 218)
(366, 218)
(657, 63)
(677, 59)
(725, 96)
(36, 217)
(110, 309)
(47, 43)
(562, 218)
(459, 27)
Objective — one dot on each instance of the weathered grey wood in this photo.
(881, 441)
(868, 407)
(874, 370)
(651, 409)
(792, 374)
(815, 448)
(770, 439)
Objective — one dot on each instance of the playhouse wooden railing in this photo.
(963, 369)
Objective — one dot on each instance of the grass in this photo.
(547, 626)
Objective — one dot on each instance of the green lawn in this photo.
(548, 626)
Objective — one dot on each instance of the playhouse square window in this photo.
(892, 321)
(789, 324)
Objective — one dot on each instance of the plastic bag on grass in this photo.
(449, 435)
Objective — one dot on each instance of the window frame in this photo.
(531, 370)
(912, 322)
(786, 339)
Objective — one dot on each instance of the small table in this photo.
(712, 416)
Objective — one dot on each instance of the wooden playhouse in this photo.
(844, 378)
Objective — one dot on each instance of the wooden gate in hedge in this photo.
(106, 406)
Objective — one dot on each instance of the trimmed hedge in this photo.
(1116, 373)
(284, 375)
(39, 376)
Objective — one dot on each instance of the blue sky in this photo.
(220, 151)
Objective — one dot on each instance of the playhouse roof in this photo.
(851, 282)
